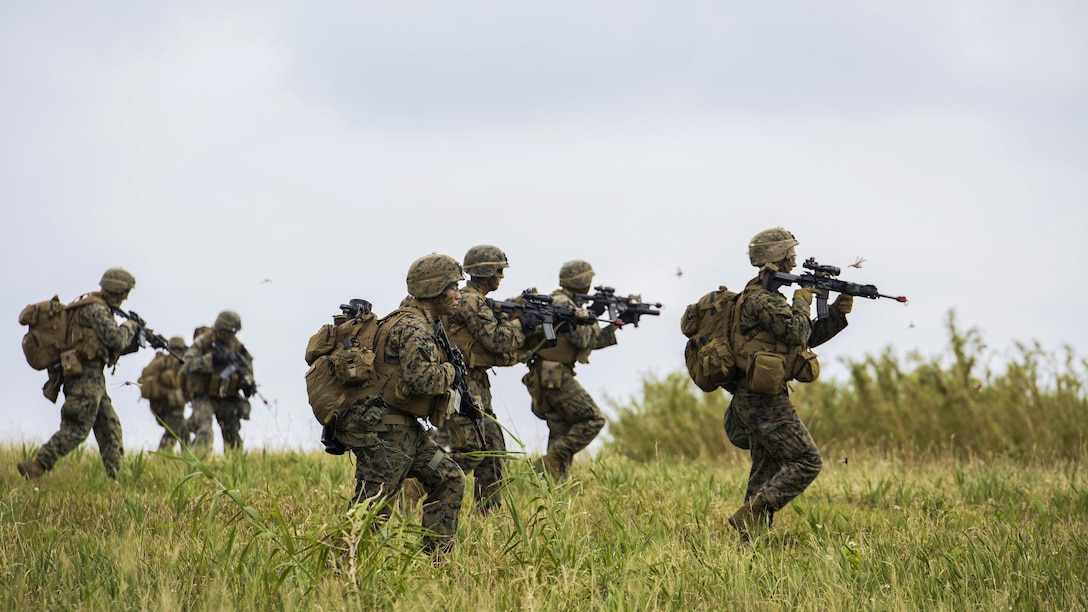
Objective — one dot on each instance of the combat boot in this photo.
(551, 465)
(32, 470)
(750, 517)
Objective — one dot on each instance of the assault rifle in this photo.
(146, 337)
(468, 406)
(235, 362)
(823, 281)
(621, 310)
(541, 305)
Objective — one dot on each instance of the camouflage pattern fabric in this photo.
(172, 419)
(785, 459)
(87, 407)
(496, 336)
(574, 419)
(228, 412)
(388, 452)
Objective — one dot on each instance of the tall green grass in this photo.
(1031, 407)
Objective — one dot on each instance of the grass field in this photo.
(946, 486)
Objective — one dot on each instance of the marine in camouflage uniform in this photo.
(163, 385)
(487, 340)
(216, 390)
(383, 432)
(97, 341)
(574, 419)
(785, 459)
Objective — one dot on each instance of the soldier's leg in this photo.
(464, 454)
(200, 422)
(582, 415)
(789, 444)
(445, 485)
(228, 414)
(107, 432)
(77, 416)
(173, 420)
(489, 473)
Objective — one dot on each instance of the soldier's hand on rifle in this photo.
(598, 308)
(843, 305)
(802, 298)
(133, 325)
(583, 315)
(528, 321)
(458, 376)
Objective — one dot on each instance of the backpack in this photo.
(708, 355)
(342, 364)
(47, 337)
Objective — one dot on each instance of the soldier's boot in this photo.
(32, 470)
(751, 517)
(411, 492)
(551, 465)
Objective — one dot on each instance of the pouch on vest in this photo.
(531, 380)
(766, 373)
(70, 364)
(551, 374)
(808, 366)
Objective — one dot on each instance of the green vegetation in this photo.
(974, 517)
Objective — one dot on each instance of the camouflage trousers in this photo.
(390, 447)
(87, 407)
(172, 419)
(229, 412)
(785, 459)
(573, 418)
(487, 469)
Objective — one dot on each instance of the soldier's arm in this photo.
(112, 336)
(196, 362)
(494, 335)
(606, 337)
(771, 312)
(423, 374)
(826, 329)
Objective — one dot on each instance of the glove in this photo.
(528, 321)
(133, 325)
(802, 299)
(843, 305)
(458, 377)
(582, 315)
(598, 308)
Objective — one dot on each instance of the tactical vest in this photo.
(769, 362)
(83, 339)
(394, 392)
(210, 384)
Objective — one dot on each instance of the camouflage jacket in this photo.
(411, 345)
(107, 340)
(763, 310)
(590, 337)
(475, 328)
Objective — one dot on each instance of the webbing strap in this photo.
(432, 465)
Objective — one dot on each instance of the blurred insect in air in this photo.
(679, 273)
(845, 459)
(857, 262)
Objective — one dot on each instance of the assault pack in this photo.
(708, 354)
(47, 337)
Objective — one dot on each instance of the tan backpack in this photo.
(47, 336)
(342, 364)
(708, 355)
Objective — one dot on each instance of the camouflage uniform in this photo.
(211, 393)
(785, 459)
(501, 339)
(573, 418)
(87, 407)
(168, 404)
(390, 445)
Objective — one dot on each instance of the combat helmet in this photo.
(485, 260)
(770, 246)
(429, 275)
(117, 280)
(228, 320)
(177, 343)
(575, 274)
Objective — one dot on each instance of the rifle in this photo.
(468, 407)
(823, 280)
(235, 362)
(541, 306)
(146, 337)
(621, 310)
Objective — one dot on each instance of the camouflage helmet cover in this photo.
(429, 275)
(228, 320)
(485, 260)
(177, 343)
(576, 273)
(117, 280)
(770, 245)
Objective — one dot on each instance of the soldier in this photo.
(219, 378)
(574, 419)
(785, 459)
(383, 432)
(486, 341)
(162, 385)
(96, 340)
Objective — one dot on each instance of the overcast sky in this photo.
(279, 160)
